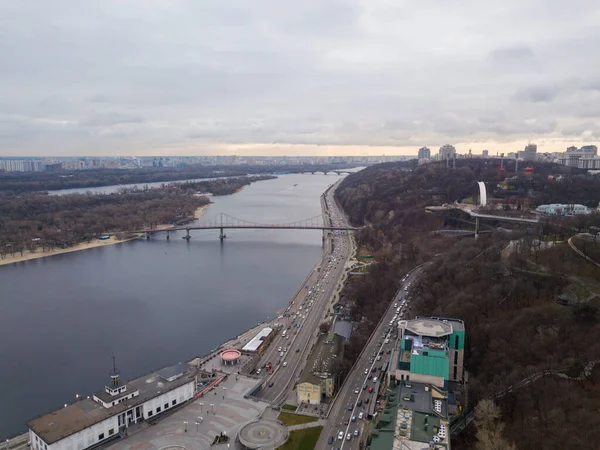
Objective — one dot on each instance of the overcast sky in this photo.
(178, 77)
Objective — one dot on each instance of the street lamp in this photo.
(224, 392)
(185, 424)
(197, 423)
(201, 405)
(212, 408)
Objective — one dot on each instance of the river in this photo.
(151, 303)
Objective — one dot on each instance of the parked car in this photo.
(330, 440)
(370, 390)
(361, 415)
(356, 432)
(353, 419)
(271, 384)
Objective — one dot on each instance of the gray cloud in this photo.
(132, 75)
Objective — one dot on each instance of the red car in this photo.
(370, 390)
(345, 422)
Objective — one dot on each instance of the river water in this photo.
(151, 303)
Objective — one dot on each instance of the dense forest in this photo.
(17, 182)
(36, 221)
(504, 285)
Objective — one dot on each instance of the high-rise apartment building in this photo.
(447, 151)
(424, 153)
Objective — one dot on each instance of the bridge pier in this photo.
(476, 227)
(147, 234)
(168, 235)
(222, 235)
(187, 236)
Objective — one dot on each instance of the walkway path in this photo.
(302, 426)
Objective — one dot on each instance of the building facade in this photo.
(530, 153)
(431, 351)
(424, 153)
(447, 152)
(102, 417)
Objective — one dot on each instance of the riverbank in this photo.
(28, 256)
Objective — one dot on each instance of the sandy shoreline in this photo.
(28, 256)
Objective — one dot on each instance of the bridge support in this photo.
(168, 235)
(147, 235)
(476, 226)
(222, 235)
(187, 236)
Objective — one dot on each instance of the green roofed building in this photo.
(431, 351)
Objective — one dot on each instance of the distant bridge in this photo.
(224, 221)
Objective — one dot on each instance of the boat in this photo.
(104, 238)
(295, 185)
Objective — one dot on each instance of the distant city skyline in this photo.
(332, 78)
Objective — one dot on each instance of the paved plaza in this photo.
(206, 418)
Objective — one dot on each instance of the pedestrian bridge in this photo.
(224, 221)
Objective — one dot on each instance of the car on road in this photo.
(345, 423)
(330, 440)
(284, 363)
(356, 390)
(348, 437)
(370, 390)
(367, 401)
(367, 371)
(356, 432)
(378, 357)
(361, 415)
(359, 404)
(349, 407)
(297, 350)
(353, 419)
(271, 384)
(341, 435)
(279, 349)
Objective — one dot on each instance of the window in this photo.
(455, 372)
(101, 436)
(174, 402)
(166, 405)
(455, 357)
(111, 431)
(456, 342)
(149, 413)
(158, 409)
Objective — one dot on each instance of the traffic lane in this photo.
(357, 378)
(311, 326)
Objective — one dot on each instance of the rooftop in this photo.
(86, 412)
(412, 417)
(254, 343)
(322, 356)
(429, 327)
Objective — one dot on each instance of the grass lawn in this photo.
(295, 419)
(289, 407)
(302, 439)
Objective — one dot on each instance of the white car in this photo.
(367, 371)
(361, 415)
(284, 363)
(374, 379)
(356, 390)
(348, 437)
(341, 436)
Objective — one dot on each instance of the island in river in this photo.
(36, 225)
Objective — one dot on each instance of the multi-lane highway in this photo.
(301, 319)
(360, 388)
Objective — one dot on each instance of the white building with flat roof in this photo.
(102, 417)
(254, 345)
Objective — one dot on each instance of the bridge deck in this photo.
(256, 227)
